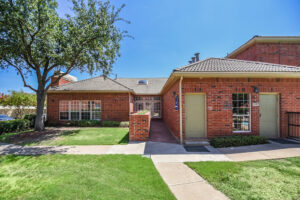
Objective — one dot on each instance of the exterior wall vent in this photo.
(142, 82)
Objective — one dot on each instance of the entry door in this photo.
(195, 116)
(268, 111)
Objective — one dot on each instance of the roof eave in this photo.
(239, 74)
(91, 91)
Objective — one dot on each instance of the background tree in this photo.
(35, 41)
(19, 100)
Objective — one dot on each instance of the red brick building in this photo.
(205, 99)
(273, 49)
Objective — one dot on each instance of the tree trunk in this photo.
(39, 123)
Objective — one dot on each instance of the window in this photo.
(85, 110)
(241, 112)
(75, 110)
(95, 109)
(139, 106)
(80, 110)
(143, 82)
(64, 110)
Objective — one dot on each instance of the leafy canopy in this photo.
(35, 40)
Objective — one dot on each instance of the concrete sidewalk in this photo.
(261, 152)
(131, 148)
(186, 184)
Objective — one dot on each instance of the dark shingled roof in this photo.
(234, 65)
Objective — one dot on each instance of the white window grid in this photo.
(245, 100)
(91, 107)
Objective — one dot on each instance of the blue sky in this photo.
(168, 32)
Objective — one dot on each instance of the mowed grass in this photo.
(269, 179)
(89, 136)
(80, 177)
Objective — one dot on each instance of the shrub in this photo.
(31, 118)
(124, 124)
(110, 123)
(237, 140)
(14, 125)
(84, 123)
(143, 112)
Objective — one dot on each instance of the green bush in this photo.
(14, 125)
(237, 140)
(84, 123)
(31, 118)
(124, 124)
(110, 123)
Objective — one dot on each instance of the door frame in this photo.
(278, 110)
(205, 112)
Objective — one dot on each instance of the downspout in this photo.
(129, 95)
(180, 110)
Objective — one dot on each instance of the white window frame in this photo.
(80, 109)
(249, 115)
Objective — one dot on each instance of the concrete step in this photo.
(202, 142)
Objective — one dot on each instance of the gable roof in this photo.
(99, 84)
(234, 65)
(264, 39)
(154, 85)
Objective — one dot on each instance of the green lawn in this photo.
(84, 136)
(90, 136)
(269, 179)
(80, 177)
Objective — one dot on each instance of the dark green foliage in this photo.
(31, 118)
(14, 125)
(85, 123)
(237, 140)
(110, 124)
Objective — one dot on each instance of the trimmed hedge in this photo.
(85, 123)
(31, 118)
(237, 140)
(114, 124)
(14, 125)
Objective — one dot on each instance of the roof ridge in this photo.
(189, 65)
(118, 83)
(78, 81)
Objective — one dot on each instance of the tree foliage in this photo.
(35, 41)
(19, 100)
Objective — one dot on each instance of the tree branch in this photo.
(21, 73)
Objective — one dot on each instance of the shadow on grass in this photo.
(125, 139)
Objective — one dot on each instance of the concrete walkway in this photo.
(131, 148)
(187, 184)
(261, 152)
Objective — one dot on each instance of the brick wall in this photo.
(139, 127)
(114, 106)
(287, 54)
(170, 115)
(219, 94)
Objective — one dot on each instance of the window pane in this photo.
(85, 115)
(64, 115)
(241, 112)
(75, 116)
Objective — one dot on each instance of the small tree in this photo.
(34, 40)
(19, 100)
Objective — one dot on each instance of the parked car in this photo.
(5, 118)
